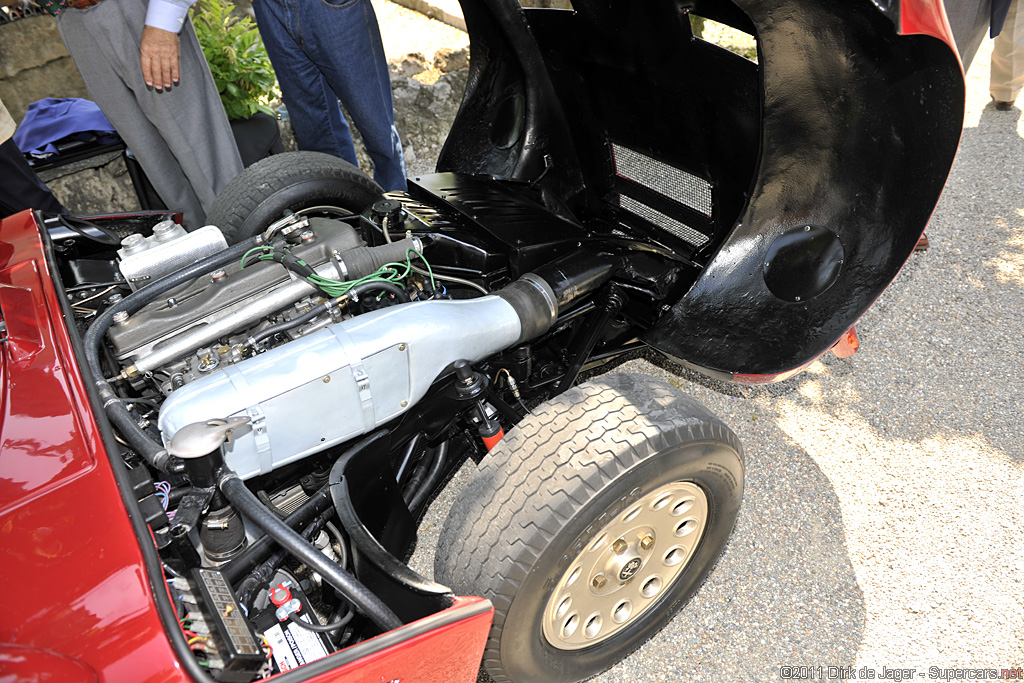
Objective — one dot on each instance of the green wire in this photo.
(262, 248)
(430, 271)
(392, 272)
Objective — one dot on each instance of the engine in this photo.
(286, 405)
(304, 336)
(257, 293)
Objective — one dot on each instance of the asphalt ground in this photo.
(881, 523)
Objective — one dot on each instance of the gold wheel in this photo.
(631, 562)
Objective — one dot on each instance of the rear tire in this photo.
(609, 504)
(261, 194)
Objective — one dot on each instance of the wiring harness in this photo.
(391, 273)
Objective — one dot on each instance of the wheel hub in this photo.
(629, 564)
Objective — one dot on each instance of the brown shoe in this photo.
(922, 244)
(1001, 105)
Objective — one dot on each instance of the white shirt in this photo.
(168, 15)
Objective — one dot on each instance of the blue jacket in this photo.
(50, 120)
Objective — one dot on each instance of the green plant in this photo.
(238, 61)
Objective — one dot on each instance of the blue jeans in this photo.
(326, 50)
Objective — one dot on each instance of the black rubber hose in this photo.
(342, 550)
(80, 226)
(325, 307)
(320, 309)
(265, 499)
(153, 452)
(261, 575)
(414, 443)
(175, 496)
(366, 287)
(365, 601)
(432, 478)
(247, 589)
(263, 546)
(326, 628)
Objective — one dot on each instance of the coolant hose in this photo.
(261, 575)
(262, 547)
(324, 308)
(320, 309)
(151, 451)
(436, 468)
(356, 593)
(325, 628)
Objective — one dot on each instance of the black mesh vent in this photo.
(664, 196)
(670, 181)
(677, 228)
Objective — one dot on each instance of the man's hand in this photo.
(159, 57)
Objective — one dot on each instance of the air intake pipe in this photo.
(540, 296)
(351, 377)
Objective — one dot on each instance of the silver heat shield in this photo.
(340, 382)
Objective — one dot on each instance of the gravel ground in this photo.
(405, 31)
(882, 511)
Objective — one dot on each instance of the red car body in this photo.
(84, 597)
(81, 603)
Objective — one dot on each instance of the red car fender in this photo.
(77, 594)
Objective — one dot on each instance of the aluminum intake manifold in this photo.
(348, 378)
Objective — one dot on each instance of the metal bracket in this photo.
(262, 439)
(365, 397)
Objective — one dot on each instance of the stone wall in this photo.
(97, 185)
(34, 64)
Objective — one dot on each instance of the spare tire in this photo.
(262, 193)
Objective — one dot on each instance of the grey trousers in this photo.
(1007, 75)
(181, 136)
(969, 20)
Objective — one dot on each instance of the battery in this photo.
(292, 645)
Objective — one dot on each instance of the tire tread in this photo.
(513, 504)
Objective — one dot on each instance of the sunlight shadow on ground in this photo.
(944, 519)
(1009, 265)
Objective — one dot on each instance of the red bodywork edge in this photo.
(926, 17)
(78, 597)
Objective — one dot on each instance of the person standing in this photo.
(326, 50)
(1007, 74)
(143, 66)
(21, 188)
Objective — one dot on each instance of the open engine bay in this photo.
(341, 367)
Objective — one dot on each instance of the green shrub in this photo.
(238, 61)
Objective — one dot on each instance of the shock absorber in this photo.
(470, 386)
